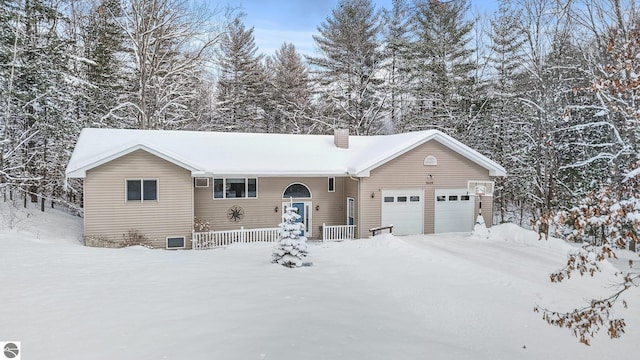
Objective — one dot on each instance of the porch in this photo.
(215, 239)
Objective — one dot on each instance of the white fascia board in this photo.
(80, 171)
(242, 174)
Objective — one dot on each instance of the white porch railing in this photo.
(338, 232)
(212, 239)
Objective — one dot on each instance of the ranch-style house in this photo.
(158, 184)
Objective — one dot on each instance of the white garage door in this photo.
(453, 211)
(404, 209)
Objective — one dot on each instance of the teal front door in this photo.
(300, 207)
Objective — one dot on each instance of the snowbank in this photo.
(448, 296)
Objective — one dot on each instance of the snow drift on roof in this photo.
(216, 153)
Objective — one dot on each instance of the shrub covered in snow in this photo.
(291, 249)
(608, 216)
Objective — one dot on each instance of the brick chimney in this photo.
(341, 138)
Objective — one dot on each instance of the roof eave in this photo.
(81, 170)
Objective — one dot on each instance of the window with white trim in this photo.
(175, 242)
(331, 184)
(296, 190)
(234, 188)
(142, 190)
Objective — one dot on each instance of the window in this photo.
(430, 161)
(464, 197)
(296, 191)
(388, 199)
(332, 184)
(218, 188)
(453, 197)
(235, 188)
(351, 204)
(175, 242)
(402, 199)
(202, 182)
(414, 198)
(441, 198)
(252, 187)
(142, 190)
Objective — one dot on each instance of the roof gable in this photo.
(83, 164)
(410, 143)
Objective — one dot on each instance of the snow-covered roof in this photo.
(242, 154)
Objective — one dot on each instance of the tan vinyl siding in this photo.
(409, 172)
(260, 212)
(109, 216)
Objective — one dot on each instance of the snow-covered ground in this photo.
(451, 296)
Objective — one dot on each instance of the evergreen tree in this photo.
(443, 66)
(291, 249)
(104, 47)
(397, 40)
(290, 91)
(241, 85)
(348, 72)
(37, 126)
(505, 135)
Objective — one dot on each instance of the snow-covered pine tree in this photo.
(290, 92)
(241, 82)
(443, 66)
(397, 36)
(104, 47)
(348, 70)
(504, 136)
(292, 247)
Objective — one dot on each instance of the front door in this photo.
(305, 215)
(350, 211)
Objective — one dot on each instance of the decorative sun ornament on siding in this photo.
(235, 213)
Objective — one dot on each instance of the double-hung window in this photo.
(142, 190)
(230, 188)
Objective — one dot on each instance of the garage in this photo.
(404, 209)
(453, 210)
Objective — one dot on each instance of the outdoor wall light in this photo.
(276, 209)
(373, 195)
(317, 207)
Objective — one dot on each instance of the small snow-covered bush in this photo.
(200, 225)
(291, 248)
(134, 238)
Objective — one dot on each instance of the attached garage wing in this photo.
(404, 209)
(454, 210)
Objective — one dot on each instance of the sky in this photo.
(296, 21)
